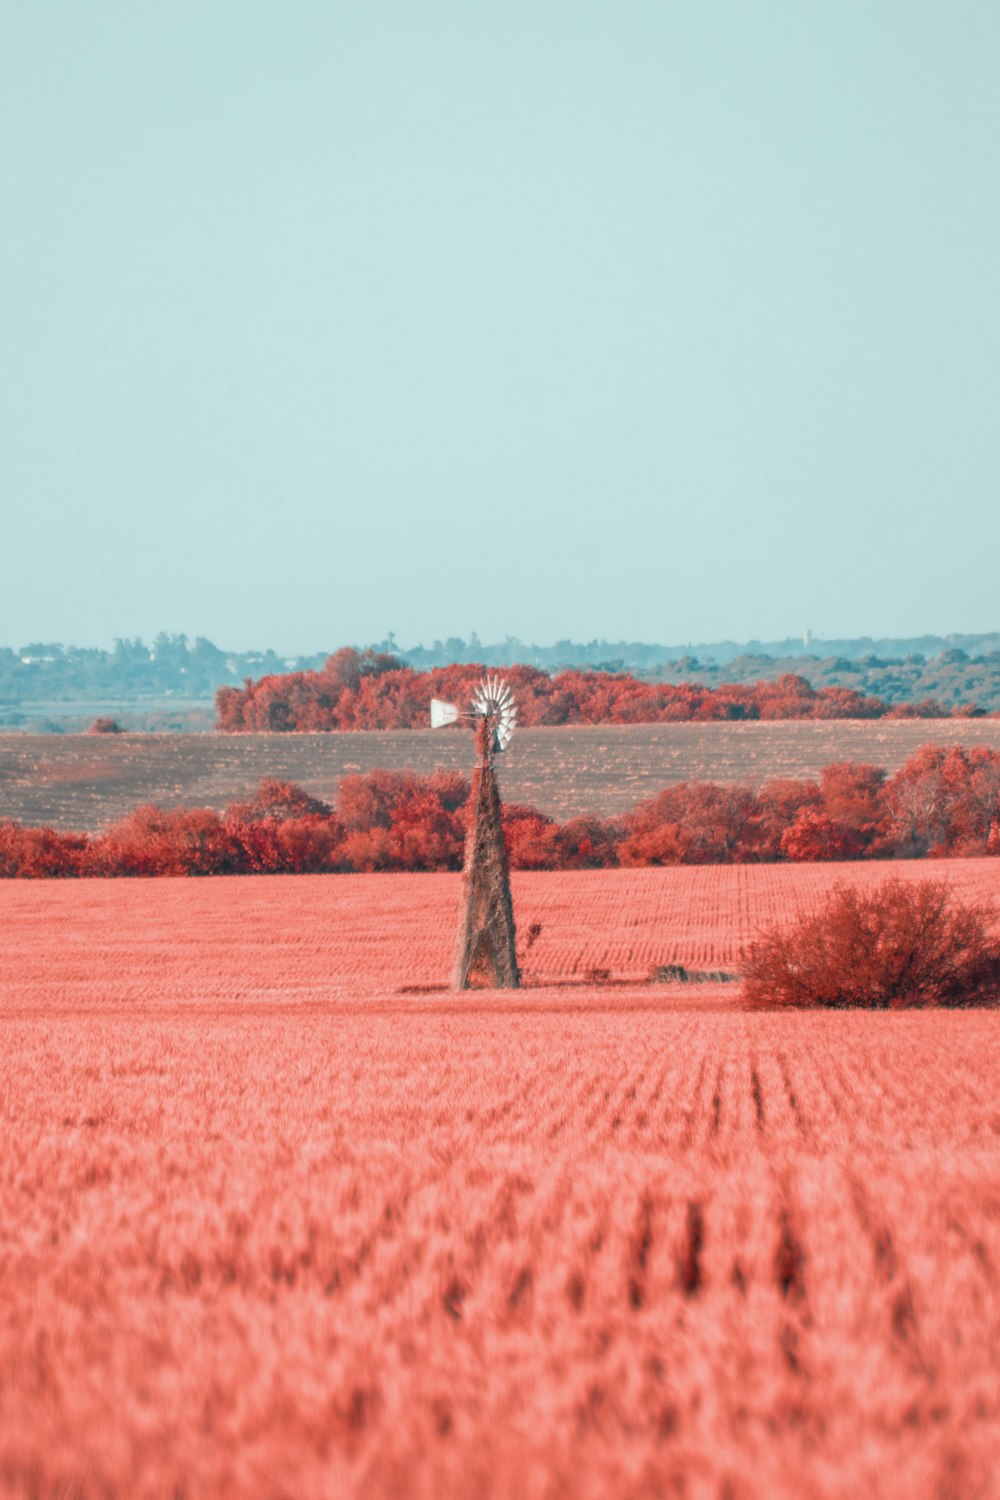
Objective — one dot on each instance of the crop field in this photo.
(84, 782)
(340, 938)
(270, 1227)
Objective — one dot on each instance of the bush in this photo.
(40, 853)
(105, 726)
(286, 846)
(276, 801)
(532, 838)
(902, 944)
(157, 841)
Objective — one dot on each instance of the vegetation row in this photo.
(373, 690)
(942, 802)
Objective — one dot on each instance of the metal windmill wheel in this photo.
(493, 701)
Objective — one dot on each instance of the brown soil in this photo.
(86, 781)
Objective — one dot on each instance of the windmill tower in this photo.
(484, 950)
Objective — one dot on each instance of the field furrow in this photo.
(270, 1226)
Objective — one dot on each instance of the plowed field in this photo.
(269, 1227)
(86, 781)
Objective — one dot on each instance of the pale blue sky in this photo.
(664, 321)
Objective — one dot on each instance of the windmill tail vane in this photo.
(443, 713)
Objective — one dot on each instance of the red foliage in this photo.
(926, 708)
(291, 846)
(815, 836)
(533, 840)
(399, 820)
(277, 800)
(693, 823)
(40, 853)
(945, 801)
(779, 803)
(851, 801)
(905, 943)
(283, 830)
(851, 796)
(365, 690)
(151, 841)
(942, 801)
(590, 843)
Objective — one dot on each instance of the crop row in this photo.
(319, 939)
(488, 1252)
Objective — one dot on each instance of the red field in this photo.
(337, 938)
(270, 1227)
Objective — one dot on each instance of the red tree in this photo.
(814, 836)
(40, 853)
(151, 841)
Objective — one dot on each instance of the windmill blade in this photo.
(494, 700)
(442, 713)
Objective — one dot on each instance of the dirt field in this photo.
(271, 1228)
(86, 781)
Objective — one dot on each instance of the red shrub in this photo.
(693, 823)
(291, 846)
(40, 853)
(852, 800)
(151, 841)
(590, 843)
(366, 850)
(901, 944)
(282, 830)
(276, 800)
(663, 845)
(814, 836)
(779, 803)
(945, 801)
(533, 840)
(423, 818)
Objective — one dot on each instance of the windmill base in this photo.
(485, 953)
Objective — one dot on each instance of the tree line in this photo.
(374, 690)
(941, 803)
(940, 677)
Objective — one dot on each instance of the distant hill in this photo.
(171, 683)
(638, 656)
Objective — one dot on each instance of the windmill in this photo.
(485, 950)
